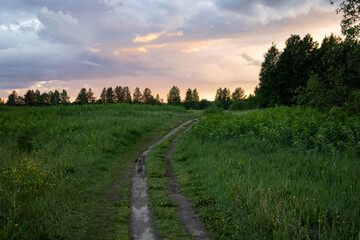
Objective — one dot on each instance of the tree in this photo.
(293, 68)
(238, 99)
(204, 104)
(173, 97)
(64, 99)
(137, 96)
(103, 96)
(158, 100)
(223, 98)
(12, 99)
(127, 95)
(109, 96)
(54, 97)
(44, 99)
(238, 94)
(29, 98)
(90, 96)
(188, 101)
(147, 96)
(350, 23)
(336, 76)
(37, 98)
(284, 75)
(119, 94)
(195, 99)
(2, 102)
(266, 93)
(82, 97)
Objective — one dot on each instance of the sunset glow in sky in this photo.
(203, 44)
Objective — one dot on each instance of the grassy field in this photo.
(283, 173)
(65, 170)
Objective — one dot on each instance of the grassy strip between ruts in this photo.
(167, 223)
(64, 170)
(258, 177)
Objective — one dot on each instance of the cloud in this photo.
(142, 49)
(91, 63)
(250, 60)
(31, 25)
(185, 42)
(265, 11)
(149, 37)
(59, 27)
(153, 36)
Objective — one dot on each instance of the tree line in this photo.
(36, 98)
(306, 74)
(85, 96)
(320, 76)
(223, 99)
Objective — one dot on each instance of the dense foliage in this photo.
(306, 128)
(306, 74)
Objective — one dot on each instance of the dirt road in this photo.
(141, 219)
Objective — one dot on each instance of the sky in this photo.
(202, 44)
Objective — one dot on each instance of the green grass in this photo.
(65, 170)
(283, 173)
(168, 225)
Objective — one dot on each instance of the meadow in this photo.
(65, 169)
(281, 173)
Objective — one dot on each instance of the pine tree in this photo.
(103, 96)
(119, 94)
(109, 96)
(137, 96)
(90, 96)
(127, 95)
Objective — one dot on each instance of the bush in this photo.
(215, 108)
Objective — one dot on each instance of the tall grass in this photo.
(58, 165)
(283, 173)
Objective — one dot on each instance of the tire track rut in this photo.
(141, 218)
(187, 215)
